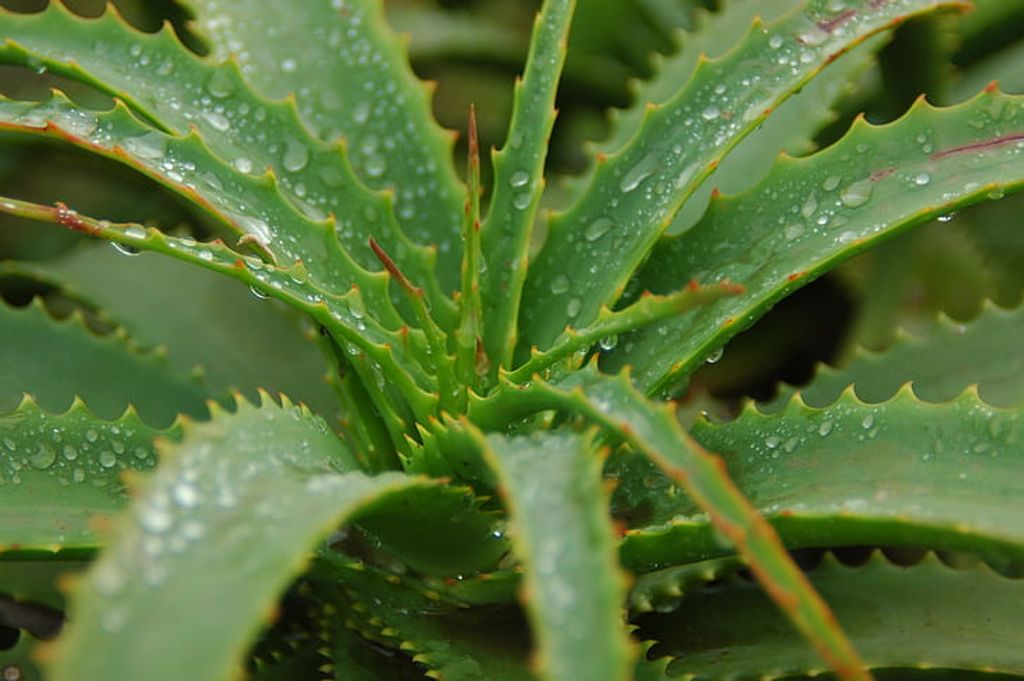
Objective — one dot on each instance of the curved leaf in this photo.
(254, 344)
(350, 78)
(251, 205)
(264, 477)
(594, 247)
(901, 473)
(894, 614)
(652, 430)
(572, 587)
(62, 473)
(454, 644)
(811, 213)
(108, 372)
(983, 352)
(165, 84)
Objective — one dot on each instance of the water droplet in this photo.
(124, 249)
(375, 165)
(775, 42)
(185, 494)
(258, 293)
(218, 120)
(856, 194)
(289, 65)
(243, 165)
(560, 284)
(220, 84)
(868, 421)
(711, 113)
(43, 457)
(77, 122)
(519, 178)
(772, 441)
(70, 453)
(921, 179)
(598, 228)
(107, 458)
(522, 200)
(155, 519)
(91, 435)
(608, 343)
(810, 206)
(638, 173)
(825, 428)
(793, 231)
(361, 113)
(715, 357)
(296, 156)
(947, 217)
(150, 146)
(572, 308)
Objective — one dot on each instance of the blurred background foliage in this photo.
(474, 49)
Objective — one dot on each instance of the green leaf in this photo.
(176, 91)
(254, 343)
(572, 586)
(652, 430)
(377, 353)
(454, 644)
(901, 473)
(108, 372)
(439, 532)
(350, 77)
(247, 204)
(921, 617)
(518, 181)
(62, 473)
(811, 213)
(941, 364)
(595, 246)
(264, 477)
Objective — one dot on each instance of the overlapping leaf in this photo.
(900, 473)
(594, 247)
(812, 213)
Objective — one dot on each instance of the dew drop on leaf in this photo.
(519, 178)
(598, 228)
(856, 194)
(560, 284)
(107, 458)
(43, 457)
(296, 156)
(218, 120)
(715, 356)
(922, 179)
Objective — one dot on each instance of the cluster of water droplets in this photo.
(74, 449)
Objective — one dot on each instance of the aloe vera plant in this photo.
(441, 429)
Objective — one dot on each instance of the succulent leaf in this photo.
(108, 372)
(592, 248)
(59, 488)
(253, 345)
(572, 588)
(350, 78)
(975, 619)
(653, 430)
(900, 473)
(952, 356)
(874, 182)
(518, 181)
(180, 94)
(157, 574)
